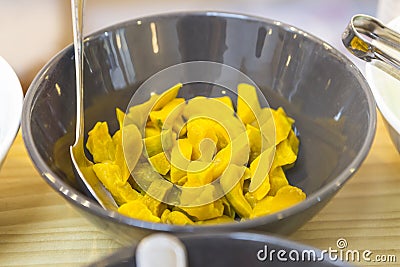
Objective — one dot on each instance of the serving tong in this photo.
(370, 40)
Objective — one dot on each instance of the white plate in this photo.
(11, 100)
(386, 91)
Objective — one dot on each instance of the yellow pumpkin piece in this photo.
(198, 130)
(277, 180)
(199, 173)
(262, 190)
(132, 142)
(193, 107)
(149, 124)
(239, 156)
(120, 158)
(267, 126)
(294, 142)
(145, 175)
(222, 219)
(137, 114)
(158, 143)
(222, 136)
(251, 199)
(215, 109)
(150, 131)
(100, 143)
(193, 197)
(185, 148)
(205, 212)
(121, 163)
(217, 119)
(164, 216)
(263, 207)
(246, 174)
(170, 111)
(248, 105)
(221, 161)
(159, 189)
(228, 209)
(179, 126)
(240, 149)
(110, 176)
(235, 195)
(120, 117)
(180, 159)
(167, 97)
(246, 185)
(259, 168)
(239, 202)
(117, 137)
(156, 207)
(286, 197)
(226, 100)
(176, 175)
(283, 125)
(255, 142)
(178, 218)
(153, 145)
(284, 154)
(138, 210)
(182, 181)
(160, 163)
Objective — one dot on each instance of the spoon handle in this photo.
(77, 24)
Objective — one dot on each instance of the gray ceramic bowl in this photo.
(325, 93)
(236, 250)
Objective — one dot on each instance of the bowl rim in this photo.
(11, 102)
(89, 205)
(387, 113)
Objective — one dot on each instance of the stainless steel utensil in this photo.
(369, 39)
(83, 166)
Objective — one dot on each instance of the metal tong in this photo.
(369, 39)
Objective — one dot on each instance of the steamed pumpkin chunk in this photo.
(110, 175)
(100, 143)
(202, 160)
(286, 197)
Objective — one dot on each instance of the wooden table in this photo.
(38, 228)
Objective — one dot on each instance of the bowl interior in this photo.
(316, 85)
(11, 99)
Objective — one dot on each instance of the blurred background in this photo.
(32, 32)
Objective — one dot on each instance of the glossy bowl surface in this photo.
(319, 87)
(11, 99)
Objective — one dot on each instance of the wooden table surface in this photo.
(38, 227)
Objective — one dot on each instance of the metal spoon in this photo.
(83, 166)
(369, 39)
